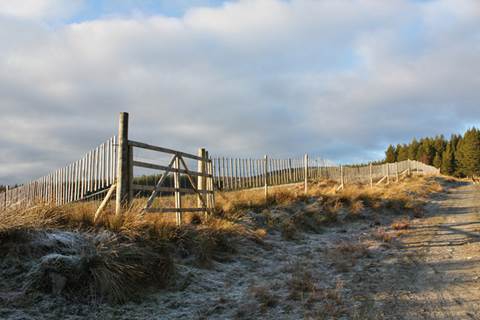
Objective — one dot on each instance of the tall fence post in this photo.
(305, 159)
(409, 172)
(122, 164)
(265, 174)
(201, 181)
(178, 195)
(209, 194)
(371, 175)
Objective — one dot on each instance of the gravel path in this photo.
(435, 271)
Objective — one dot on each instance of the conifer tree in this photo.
(437, 160)
(448, 161)
(413, 149)
(390, 154)
(468, 153)
(402, 152)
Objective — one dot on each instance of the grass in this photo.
(240, 216)
(402, 224)
(346, 253)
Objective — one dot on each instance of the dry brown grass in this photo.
(402, 224)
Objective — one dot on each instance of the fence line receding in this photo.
(110, 167)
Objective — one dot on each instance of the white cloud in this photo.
(338, 78)
(39, 9)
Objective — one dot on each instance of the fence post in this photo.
(409, 172)
(396, 172)
(371, 175)
(201, 181)
(122, 164)
(210, 188)
(265, 174)
(305, 159)
(178, 195)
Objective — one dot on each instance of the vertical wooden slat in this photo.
(84, 176)
(265, 173)
(95, 169)
(73, 177)
(306, 174)
(235, 172)
(225, 173)
(230, 169)
(178, 196)
(244, 174)
(55, 175)
(70, 183)
(250, 173)
(100, 167)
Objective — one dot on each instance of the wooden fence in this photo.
(82, 179)
(107, 172)
(236, 174)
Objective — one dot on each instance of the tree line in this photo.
(458, 156)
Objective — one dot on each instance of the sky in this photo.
(340, 79)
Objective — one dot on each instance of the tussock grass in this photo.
(100, 266)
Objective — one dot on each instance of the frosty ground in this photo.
(380, 264)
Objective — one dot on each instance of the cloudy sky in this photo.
(337, 78)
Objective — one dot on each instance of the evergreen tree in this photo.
(468, 151)
(390, 154)
(439, 144)
(437, 160)
(454, 140)
(426, 152)
(458, 156)
(402, 152)
(448, 161)
(413, 149)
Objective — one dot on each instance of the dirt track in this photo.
(435, 271)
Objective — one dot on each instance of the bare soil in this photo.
(355, 269)
(435, 271)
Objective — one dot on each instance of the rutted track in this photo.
(435, 272)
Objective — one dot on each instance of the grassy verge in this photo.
(118, 258)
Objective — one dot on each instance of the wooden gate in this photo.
(200, 180)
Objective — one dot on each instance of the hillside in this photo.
(323, 255)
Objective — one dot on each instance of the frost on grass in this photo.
(86, 265)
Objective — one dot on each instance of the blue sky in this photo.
(337, 78)
(94, 9)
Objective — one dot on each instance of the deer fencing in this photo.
(107, 172)
(240, 173)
